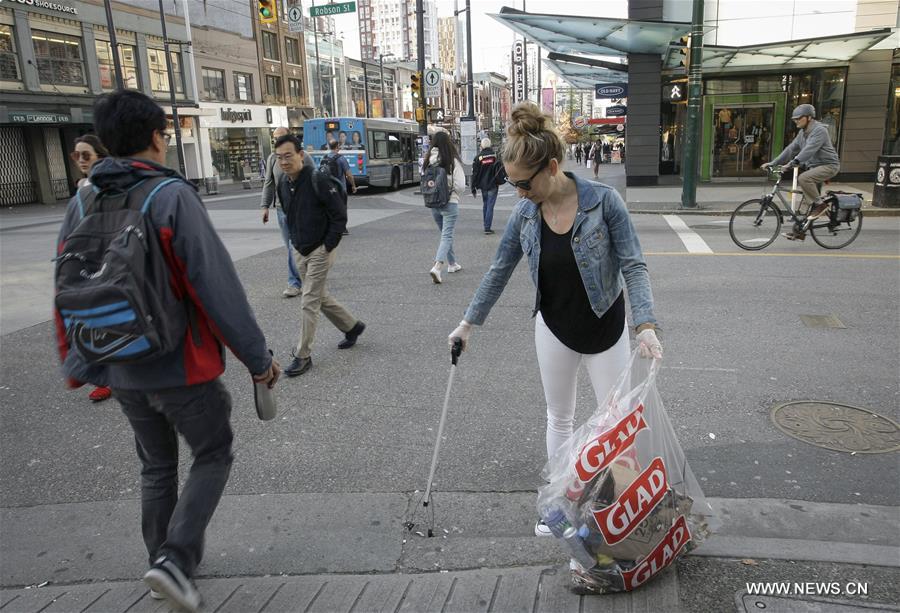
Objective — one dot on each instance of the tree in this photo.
(564, 125)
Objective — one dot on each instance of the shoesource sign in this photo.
(53, 6)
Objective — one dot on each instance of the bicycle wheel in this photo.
(754, 224)
(834, 235)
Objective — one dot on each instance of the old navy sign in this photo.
(616, 111)
(611, 90)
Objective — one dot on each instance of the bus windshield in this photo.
(349, 132)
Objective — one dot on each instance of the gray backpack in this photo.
(435, 187)
(112, 279)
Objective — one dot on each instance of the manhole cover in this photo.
(839, 427)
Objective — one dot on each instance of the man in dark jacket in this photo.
(487, 174)
(179, 392)
(317, 217)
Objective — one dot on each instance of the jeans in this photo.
(445, 218)
(488, 198)
(293, 275)
(175, 525)
(315, 299)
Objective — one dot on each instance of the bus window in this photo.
(379, 144)
(394, 148)
(407, 148)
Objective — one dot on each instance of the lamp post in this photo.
(114, 45)
(171, 75)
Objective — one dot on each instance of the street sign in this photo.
(611, 90)
(436, 115)
(335, 8)
(579, 122)
(295, 19)
(432, 79)
(616, 111)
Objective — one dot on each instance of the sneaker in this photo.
(291, 291)
(435, 273)
(454, 268)
(488, 231)
(795, 236)
(298, 366)
(99, 394)
(165, 578)
(157, 595)
(542, 529)
(351, 336)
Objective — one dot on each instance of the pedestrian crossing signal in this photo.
(267, 11)
(415, 81)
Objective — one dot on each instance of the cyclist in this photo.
(811, 148)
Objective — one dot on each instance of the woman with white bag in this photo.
(581, 246)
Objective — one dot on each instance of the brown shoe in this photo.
(795, 236)
(818, 210)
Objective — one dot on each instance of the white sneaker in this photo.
(291, 291)
(435, 273)
(165, 578)
(454, 268)
(542, 529)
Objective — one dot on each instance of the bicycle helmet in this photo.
(804, 110)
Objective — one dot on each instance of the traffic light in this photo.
(685, 51)
(267, 11)
(415, 81)
(420, 114)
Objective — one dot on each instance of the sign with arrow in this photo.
(432, 78)
(295, 19)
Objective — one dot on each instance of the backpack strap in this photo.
(149, 199)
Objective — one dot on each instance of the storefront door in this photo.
(741, 132)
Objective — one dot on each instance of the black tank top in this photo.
(564, 302)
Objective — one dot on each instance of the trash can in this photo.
(887, 182)
(212, 185)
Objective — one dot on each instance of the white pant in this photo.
(559, 371)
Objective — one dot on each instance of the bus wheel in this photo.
(395, 179)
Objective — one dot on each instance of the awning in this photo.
(785, 54)
(593, 35)
(583, 72)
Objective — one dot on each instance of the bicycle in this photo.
(755, 224)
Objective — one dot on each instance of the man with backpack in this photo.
(487, 175)
(317, 218)
(337, 166)
(146, 298)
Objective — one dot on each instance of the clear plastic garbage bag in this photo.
(620, 494)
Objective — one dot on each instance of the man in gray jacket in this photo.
(270, 197)
(812, 148)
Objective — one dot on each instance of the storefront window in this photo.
(831, 101)
(159, 76)
(243, 86)
(237, 152)
(742, 138)
(58, 58)
(214, 83)
(9, 61)
(892, 132)
(107, 67)
(759, 84)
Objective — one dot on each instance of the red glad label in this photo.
(619, 519)
(600, 452)
(661, 556)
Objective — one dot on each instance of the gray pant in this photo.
(808, 179)
(175, 525)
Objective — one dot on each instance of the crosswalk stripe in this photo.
(692, 241)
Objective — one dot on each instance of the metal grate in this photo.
(56, 163)
(16, 182)
(822, 321)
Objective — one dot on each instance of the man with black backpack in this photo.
(487, 175)
(146, 297)
(317, 217)
(337, 166)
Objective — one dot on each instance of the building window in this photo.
(294, 89)
(243, 86)
(273, 86)
(292, 50)
(108, 70)
(58, 58)
(159, 76)
(214, 83)
(270, 46)
(9, 61)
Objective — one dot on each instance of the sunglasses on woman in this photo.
(87, 156)
(525, 184)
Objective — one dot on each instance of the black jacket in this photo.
(313, 220)
(486, 169)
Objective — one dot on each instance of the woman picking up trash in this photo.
(581, 246)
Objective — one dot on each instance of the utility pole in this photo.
(420, 53)
(470, 89)
(321, 100)
(114, 45)
(381, 69)
(174, 102)
(366, 86)
(692, 125)
(524, 60)
(540, 91)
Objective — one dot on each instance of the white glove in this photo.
(462, 332)
(649, 344)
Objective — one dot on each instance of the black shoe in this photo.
(488, 231)
(298, 366)
(351, 336)
(167, 580)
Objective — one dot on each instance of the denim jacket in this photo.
(606, 250)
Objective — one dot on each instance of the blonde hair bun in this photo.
(532, 138)
(527, 119)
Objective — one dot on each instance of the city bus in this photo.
(381, 152)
